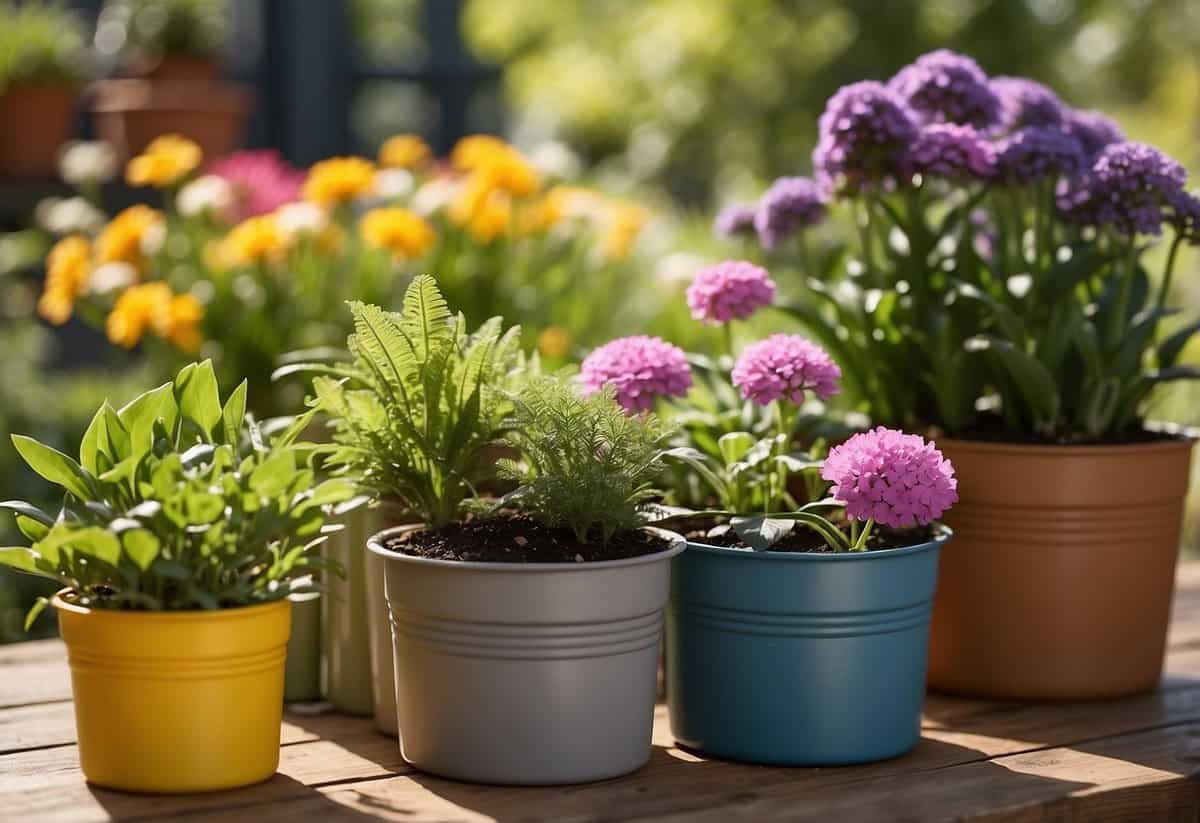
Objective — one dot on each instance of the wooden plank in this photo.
(35, 681)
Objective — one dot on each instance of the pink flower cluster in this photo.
(639, 368)
(729, 290)
(898, 479)
(785, 366)
(262, 180)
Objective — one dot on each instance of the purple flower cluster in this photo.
(735, 221)
(951, 152)
(785, 366)
(863, 132)
(896, 479)
(1093, 130)
(1185, 215)
(1129, 187)
(1037, 152)
(1027, 102)
(946, 87)
(792, 203)
(639, 368)
(731, 290)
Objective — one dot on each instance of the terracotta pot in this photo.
(129, 113)
(34, 122)
(1059, 584)
(178, 68)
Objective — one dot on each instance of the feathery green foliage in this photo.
(586, 465)
(177, 502)
(419, 402)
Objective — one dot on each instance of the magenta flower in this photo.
(1185, 215)
(863, 131)
(262, 180)
(951, 152)
(1128, 187)
(731, 290)
(785, 366)
(1037, 152)
(640, 369)
(896, 479)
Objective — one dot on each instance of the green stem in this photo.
(1165, 289)
(727, 338)
(860, 545)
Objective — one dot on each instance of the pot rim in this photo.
(1182, 438)
(375, 546)
(943, 535)
(190, 615)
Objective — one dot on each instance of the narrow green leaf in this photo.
(28, 510)
(234, 414)
(35, 611)
(198, 396)
(94, 441)
(54, 466)
(735, 445)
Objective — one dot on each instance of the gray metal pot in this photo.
(526, 674)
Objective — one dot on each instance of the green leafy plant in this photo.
(40, 43)
(419, 401)
(168, 26)
(586, 465)
(177, 502)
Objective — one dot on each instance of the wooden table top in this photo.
(1133, 759)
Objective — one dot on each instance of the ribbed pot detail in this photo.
(177, 701)
(532, 674)
(1060, 583)
(799, 659)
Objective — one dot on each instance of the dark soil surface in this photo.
(991, 429)
(508, 539)
(803, 539)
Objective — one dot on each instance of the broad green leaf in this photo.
(234, 414)
(1035, 385)
(140, 415)
(117, 435)
(735, 445)
(198, 396)
(141, 546)
(21, 559)
(54, 466)
(92, 541)
(1170, 348)
(28, 510)
(202, 508)
(761, 533)
(94, 441)
(271, 477)
(34, 530)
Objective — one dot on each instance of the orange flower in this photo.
(404, 151)
(68, 267)
(121, 239)
(624, 225)
(339, 180)
(179, 322)
(554, 342)
(473, 151)
(138, 308)
(166, 161)
(491, 218)
(255, 240)
(400, 231)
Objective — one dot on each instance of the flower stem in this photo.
(860, 545)
(1164, 290)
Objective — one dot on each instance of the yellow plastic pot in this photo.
(177, 701)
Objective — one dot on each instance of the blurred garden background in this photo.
(639, 119)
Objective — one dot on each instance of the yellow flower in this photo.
(255, 240)
(475, 150)
(166, 161)
(404, 151)
(554, 342)
(138, 308)
(400, 231)
(121, 239)
(178, 322)
(624, 225)
(68, 267)
(338, 180)
(490, 219)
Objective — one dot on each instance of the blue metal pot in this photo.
(800, 659)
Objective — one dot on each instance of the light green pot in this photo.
(347, 646)
(302, 675)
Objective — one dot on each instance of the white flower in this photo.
(205, 195)
(435, 195)
(555, 159)
(112, 277)
(391, 184)
(71, 215)
(301, 218)
(153, 238)
(81, 162)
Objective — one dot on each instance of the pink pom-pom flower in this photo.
(639, 368)
(731, 290)
(785, 366)
(897, 479)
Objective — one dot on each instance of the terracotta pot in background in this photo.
(34, 123)
(180, 95)
(1059, 584)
